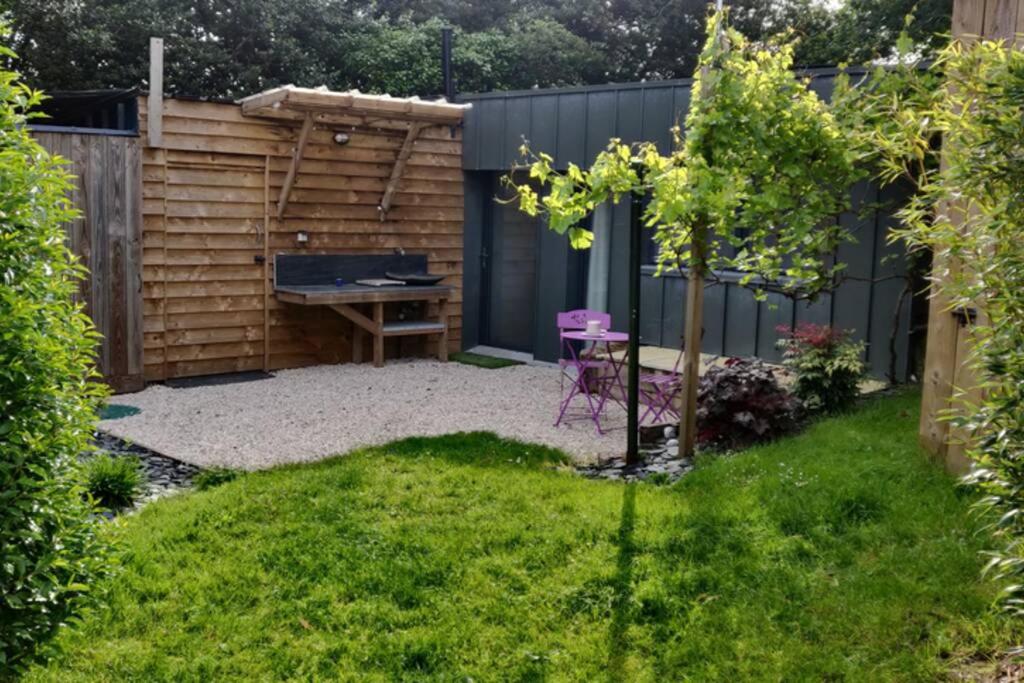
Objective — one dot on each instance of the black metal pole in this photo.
(633, 399)
(446, 64)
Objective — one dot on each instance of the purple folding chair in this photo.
(584, 364)
(658, 392)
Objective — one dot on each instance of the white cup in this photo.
(594, 328)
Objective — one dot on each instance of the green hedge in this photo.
(49, 552)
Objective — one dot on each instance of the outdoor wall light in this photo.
(341, 138)
(302, 237)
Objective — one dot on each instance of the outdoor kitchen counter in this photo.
(343, 300)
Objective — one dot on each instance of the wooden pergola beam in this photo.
(399, 168)
(293, 170)
(282, 102)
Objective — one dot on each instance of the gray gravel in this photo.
(311, 413)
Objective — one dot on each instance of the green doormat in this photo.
(115, 411)
(482, 361)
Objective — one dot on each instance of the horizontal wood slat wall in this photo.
(107, 237)
(209, 202)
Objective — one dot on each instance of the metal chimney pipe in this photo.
(446, 64)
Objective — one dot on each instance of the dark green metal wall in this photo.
(574, 124)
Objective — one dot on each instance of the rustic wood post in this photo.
(692, 328)
(946, 371)
(155, 113)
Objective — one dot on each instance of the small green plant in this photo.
(215, 476)
(659, 479)
(114, 482)
(827, 365)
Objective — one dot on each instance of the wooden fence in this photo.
(107, 237)
(210, 232)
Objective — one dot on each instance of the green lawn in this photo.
(839, 554)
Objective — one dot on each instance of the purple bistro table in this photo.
(579, 387)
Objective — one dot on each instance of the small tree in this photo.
(748, 188)
(49, 554)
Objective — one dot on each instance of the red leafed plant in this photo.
(827, 365)
(821, 337)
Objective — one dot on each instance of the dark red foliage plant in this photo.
(741, 403)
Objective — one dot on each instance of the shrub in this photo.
(742, 403)
(49, 552)
(114, 481)
(215, 476)
(827, 365)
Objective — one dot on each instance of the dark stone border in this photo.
(659, 459)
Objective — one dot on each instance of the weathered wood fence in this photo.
(107, 237)
(210, 232)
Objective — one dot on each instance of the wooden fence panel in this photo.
(210, 197)
(107, 238)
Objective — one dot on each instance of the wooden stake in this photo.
(163, 269)
(692, 333)
(293, 170)
(155, 109)
(266, 264)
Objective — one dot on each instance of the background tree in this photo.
(227, 48)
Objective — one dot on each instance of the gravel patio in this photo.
(312, 413)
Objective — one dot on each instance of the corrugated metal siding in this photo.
(574, 124)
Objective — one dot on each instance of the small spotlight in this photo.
(341, 138)
(302, 237)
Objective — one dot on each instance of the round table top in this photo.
(608, 336)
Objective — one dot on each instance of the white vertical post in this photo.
(155, 116)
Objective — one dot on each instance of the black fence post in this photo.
(633, 359)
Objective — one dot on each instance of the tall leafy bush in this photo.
(969, 212)
(972, 215)
(49, 553)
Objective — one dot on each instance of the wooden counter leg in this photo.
(378, 339)
(442, 344)
(358, 339)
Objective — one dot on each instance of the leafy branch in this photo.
(762, 165)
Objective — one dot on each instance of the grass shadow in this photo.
(623, 584)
